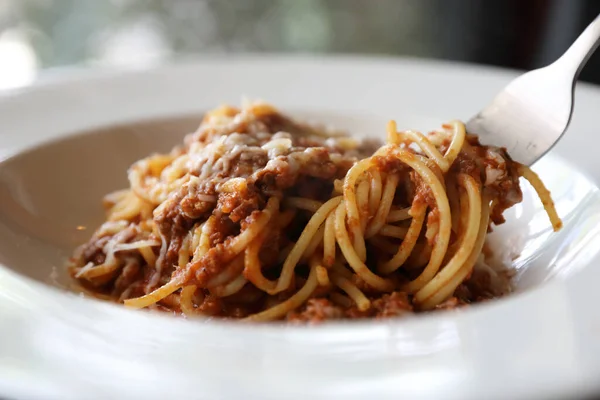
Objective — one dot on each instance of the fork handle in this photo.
(582, 49)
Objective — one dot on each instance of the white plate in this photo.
(542, 342)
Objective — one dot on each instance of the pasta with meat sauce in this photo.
(260, 217)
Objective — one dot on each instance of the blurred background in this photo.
(39, 35)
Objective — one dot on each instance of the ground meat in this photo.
(170, 220)
(211, 305)
(269, 252)
(128, 276)
(95, 251)
(239, 205)
(467, 164)
(193, 208)
(395, 304)
(209, 265)
(173, 250)
(451, 303)
(389, 164)
(315, 311)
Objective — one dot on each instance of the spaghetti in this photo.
(263, 218)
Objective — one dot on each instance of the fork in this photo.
(533, 112)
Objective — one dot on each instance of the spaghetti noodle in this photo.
(262, 218)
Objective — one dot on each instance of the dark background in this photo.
(524, 34)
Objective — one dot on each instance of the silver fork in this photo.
(532, 113)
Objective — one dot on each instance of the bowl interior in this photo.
(50, 202)
(50, 196)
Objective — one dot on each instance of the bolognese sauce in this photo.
(260, 217)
